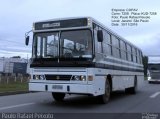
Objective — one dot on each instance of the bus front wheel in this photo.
(106, 96)
(58, 96)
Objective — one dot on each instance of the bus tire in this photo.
(132, 90)
(106, 96)
(150, 82)
(58, 96)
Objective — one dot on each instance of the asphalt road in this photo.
(146, 100)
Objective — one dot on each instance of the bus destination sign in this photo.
(47, 25)
(61, 24)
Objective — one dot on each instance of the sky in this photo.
(17, 17)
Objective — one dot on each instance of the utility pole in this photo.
(27, 58)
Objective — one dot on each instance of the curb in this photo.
(13, 93)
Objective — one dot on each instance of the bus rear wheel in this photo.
(106, 96)
(58, 96)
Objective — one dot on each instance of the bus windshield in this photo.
(64, 44)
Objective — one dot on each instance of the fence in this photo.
(13, 78)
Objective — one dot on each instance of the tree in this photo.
(145, 64)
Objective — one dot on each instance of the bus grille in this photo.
(58, 77)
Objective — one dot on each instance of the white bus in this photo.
(154, 73)
(82, 56)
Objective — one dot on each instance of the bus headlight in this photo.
(79, 78)
(82, 78)
(149, 78)
(38, 77)
(76, 78)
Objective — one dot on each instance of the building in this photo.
(13, 65)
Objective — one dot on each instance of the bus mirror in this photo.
(100, 36)
(27, 40)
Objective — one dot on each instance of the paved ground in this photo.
(147, 100)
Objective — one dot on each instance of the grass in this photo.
(145, 78)
(13, 87)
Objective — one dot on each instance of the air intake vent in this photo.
(58, 77)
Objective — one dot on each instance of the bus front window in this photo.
(64, 44)
(76, 44)
(45, 45)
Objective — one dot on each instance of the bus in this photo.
(153, 74)
(82, 56)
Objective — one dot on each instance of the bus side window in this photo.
(106, 43)
(115, 47)
(123, 50)
(138, 57)
(129, 52)
(98, 45)
(134, 54)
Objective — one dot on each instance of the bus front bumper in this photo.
(64, 88)
(154, 81)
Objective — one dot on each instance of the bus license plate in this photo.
(59, 87)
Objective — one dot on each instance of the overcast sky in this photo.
(17, 16)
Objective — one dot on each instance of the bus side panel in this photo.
(122, 82)
(140, 80)
(126, 81)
